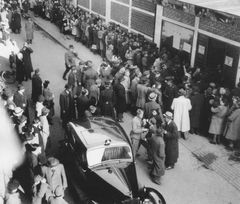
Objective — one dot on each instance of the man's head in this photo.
(140, 113)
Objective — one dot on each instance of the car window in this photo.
(119, 154)
(116, 153)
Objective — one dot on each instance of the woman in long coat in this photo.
(217, 120)
(158, 154)
(29, 28)
(233, 127)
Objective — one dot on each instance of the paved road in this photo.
(188, 183)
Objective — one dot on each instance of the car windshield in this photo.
(106, 155)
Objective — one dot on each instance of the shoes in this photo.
(64, 78)
(156, 181)
(169, 167)
(213, 142)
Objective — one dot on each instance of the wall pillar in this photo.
(158, 25)
(194, 44)
(108, 10)
(238, 73)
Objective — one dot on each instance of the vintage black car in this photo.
(100, 164)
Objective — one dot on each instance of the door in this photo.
(216, 50)
(230, 65)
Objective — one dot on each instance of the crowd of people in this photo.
(168, 98)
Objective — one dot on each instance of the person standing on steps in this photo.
(69, 60)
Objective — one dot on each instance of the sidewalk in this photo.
(53, 31)
(213, 157)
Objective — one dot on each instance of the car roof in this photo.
(98, 134)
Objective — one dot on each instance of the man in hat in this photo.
(69, 60)
(171, 141)
(27, 51)
(55, 175)
(66, 104)
(89, 76)
(36, 86)
(142, 90)
(181, 107)
(107, 100)
(152, 105)
(20, 98)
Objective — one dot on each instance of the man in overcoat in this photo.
(171, 136)
(120, 104)
(36, 86)
(66, 103)
(197, 101)
(29, 28)
(28, 68)
(158, 155)
(107, 100)
(152, 105)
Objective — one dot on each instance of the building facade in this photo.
(204, 41)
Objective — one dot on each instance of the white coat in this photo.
(181, 107)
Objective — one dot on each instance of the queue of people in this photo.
(169, 98)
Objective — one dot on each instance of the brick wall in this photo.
(119, 13)
(219, 28)
(99, 6)
(84, 3)
(179, 16)
(143, 22)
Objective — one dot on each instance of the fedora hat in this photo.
(52, 162)
(152, 96)
(18, 111)
(168, 114)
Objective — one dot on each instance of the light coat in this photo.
(233, 129)
(181, 107)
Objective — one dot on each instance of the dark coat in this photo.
(150, 106)
(65, 102)
(106, 102)
(16, 21)
(197, 102)
(158, 154)
(83, 104)
(120, 104)
(89, 77)
(26, 51)
(168, 95)
(171, 144)
(36, 87)
(19, 71)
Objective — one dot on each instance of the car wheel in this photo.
(153, 196)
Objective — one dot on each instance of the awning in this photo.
(228, 6)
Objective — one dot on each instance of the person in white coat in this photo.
(45, 127)
(181, 107)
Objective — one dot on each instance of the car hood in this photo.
(116, 178)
